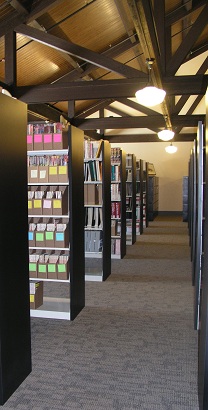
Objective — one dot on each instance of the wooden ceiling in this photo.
(86, 59)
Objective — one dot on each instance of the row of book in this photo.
(46, 160)
(93, 241)
(92, 149)
(115, 172)
(48, 235)
(115, 154)
(47, 201)
(93, 170)
(115, 246)
(92, 194)
(49, 266)
(115, 209)
(47, 173)
(93, 217)
(115, 227)
(115, 192)
(45, 128)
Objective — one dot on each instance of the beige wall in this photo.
(170, 168)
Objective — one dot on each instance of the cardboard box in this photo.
(38, 142)
(42, 174)
(60, 140)
(52, 271)
(33, 272)
(47, 206)
(37, 206)
(63, 173)
(42, 270)
(63, 271)
(30, 206)
(62, 239)
(53, 173)
(49, 239)
(31, 238)
(29, 142)
(33, 174)
(60, 206)
(47, 141)
(40, 239)
(36, 294)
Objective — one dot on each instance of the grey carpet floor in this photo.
(133, 346)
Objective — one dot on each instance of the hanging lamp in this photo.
(171, 149)
(166, 135)
(150, 95)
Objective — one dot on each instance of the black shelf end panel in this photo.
(15, 337)
(76, 221)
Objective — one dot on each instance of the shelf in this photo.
(93, 182)
(48, 216)
(48, 183)
(92, 229)
(48, 152)
(93, 255)
(49, 280)
(48, 249)
(53, 308)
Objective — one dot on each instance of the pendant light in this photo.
(166, 135)
(150, 95)
(171, 149)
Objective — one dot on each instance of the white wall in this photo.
(170, 168)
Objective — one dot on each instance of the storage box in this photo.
(62, 239)
(42, 174)
(47, 141)
(49, 239)
(47, 206)
(63, 271)
(60, 140)
(60, 206)
(31, 238)
(40, 239)
(33, 174)
(36, 294)
(33, 272)
(38, 142)
(63, 173)
(30, 206)
(42, 270)
(37, 206)
(29, 142)
(53, 173)
(52, 271)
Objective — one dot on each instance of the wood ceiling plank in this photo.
(79, 51)
(180, 55)
(136, 138)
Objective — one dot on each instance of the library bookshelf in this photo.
(56, 219)
(139, 196)
(118, 203)
(97, 207)
(130, 199)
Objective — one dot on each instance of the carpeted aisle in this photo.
(133, 346)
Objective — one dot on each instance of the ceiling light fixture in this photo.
(166, 135)
(150, 95)
(171, 149)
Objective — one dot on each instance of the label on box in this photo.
(49, 236)
(47, 138)
(37, 203)
(40, 236)
(47, 204)
(59, 236)
(52, 170)
(30, 236)
(34, 173)
(29, 139)
(41, 268)
(37, 137)
(57, 203)
(51, 267)
(57, 137)
(42, 174)
(61, 267)
(32, 267)
(32, 298)
(62, 170)
(29, 204)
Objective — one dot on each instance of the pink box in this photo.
(60, 140)
(29, 142)
(47, 141)
(38, 142)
